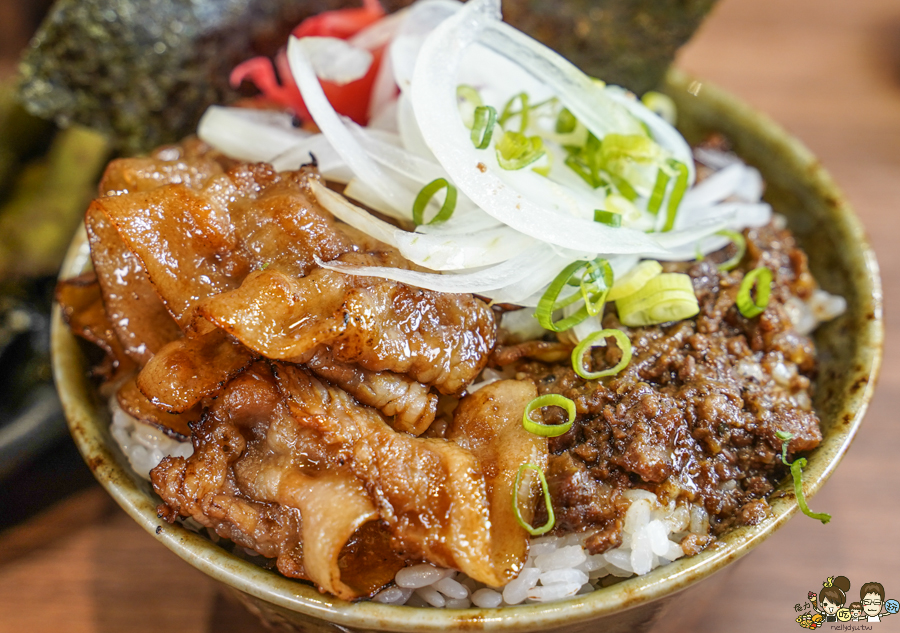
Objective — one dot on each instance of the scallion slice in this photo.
(678, 190)
(509, 113)
(797, 467)
(596, 280)
(659, 192)
(565, 122)
(550, 302)
(660, 104)
(623, 187)
(425, 196)
(634, 279)
(548, 430)
(468, 99)
(749, 307)
(609, 218)
(551, 518)
(740, 243)
(593, 340)
(483, 126)
(666, 297)
(515, 150)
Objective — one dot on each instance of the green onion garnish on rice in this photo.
(593, 340)
(548, 430)
(797, 467)
(666, 297)
(551, 518)
(609, 218)
(749, 306)
(739, 242)
(634, 279)
(550, 301)
(678, 191)
(659, 192)
(483, 126)
(425, 196)
(509, 113)
(515, 150)
(469, 99)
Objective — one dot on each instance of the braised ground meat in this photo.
(694, 415)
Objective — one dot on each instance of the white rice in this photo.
(142, 444)
(560, 567)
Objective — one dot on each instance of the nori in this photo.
(143, 71)
(629, 43)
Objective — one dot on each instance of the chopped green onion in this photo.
(483, 126)
(593, 340)
(797, 467)
(666, 297)
(551, 518)
(749, 307)
(509, 113)
(623, 187)
(468, 99)
(549, 302)
(634, 279)
(425, 196)
(576, 163)
(659, 192)
(594, 296)
(661, 104)
(548, 430)
(566, 122)
(740, 243)
(785, 438)
(678, 189)
(544, 170)
(515, 150)
(609, 218)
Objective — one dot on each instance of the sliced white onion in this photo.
(336, 60)
(434, 104)
(481, 282)
(333, 127)
(248, 134)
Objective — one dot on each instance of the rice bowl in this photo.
(771, 154)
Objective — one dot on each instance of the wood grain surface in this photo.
(829, 71)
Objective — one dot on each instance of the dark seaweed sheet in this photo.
(143, 71)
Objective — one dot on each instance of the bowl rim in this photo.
(81, 406)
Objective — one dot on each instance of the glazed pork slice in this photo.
(268, 483)
(301, 472)
(409, 405)
(236, 251)
(381, 325)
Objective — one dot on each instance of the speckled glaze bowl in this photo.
(850, 351)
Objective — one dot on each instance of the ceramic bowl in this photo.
(850, 350)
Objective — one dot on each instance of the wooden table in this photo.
(829, 71)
